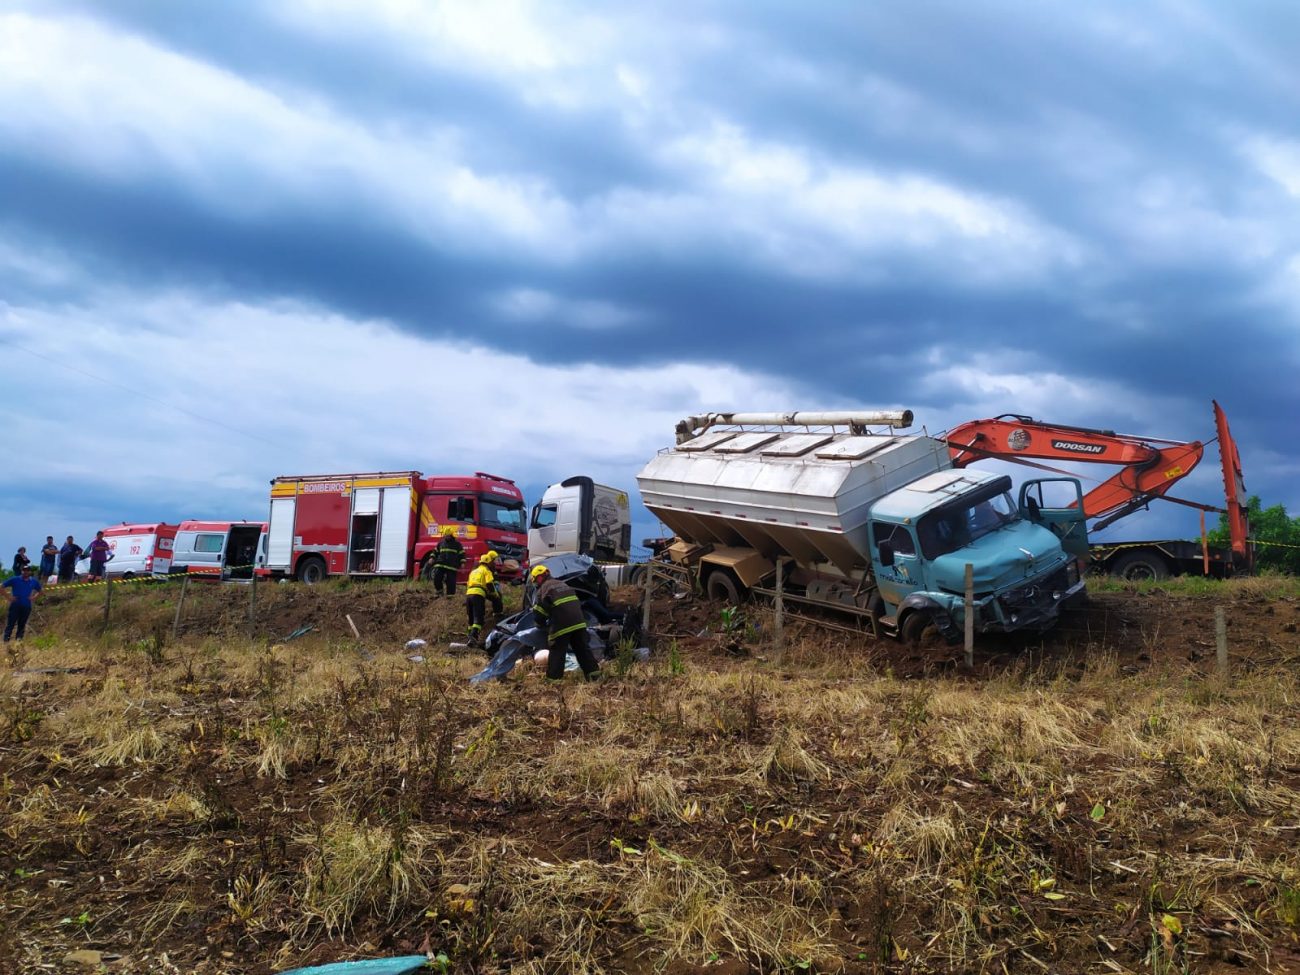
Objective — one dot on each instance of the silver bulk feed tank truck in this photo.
(876, 524)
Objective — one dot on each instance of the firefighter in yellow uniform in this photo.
(447, 558)
(479, 588)
(559, 611)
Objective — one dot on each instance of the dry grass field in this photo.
(1100, 801)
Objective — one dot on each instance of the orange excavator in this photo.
(1149, 467)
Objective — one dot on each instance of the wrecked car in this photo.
(519, 635)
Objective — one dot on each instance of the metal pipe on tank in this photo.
(690, 427)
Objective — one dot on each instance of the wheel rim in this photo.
(721, 588)
(914, 628)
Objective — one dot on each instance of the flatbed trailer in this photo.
(1160, 559)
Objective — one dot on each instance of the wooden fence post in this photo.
(645, 605)
(970, 615)
(252, 607)
(180, 602)
(779, 625)
(108, 600)
(1221, 639)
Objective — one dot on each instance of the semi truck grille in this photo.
(508, 551)
(1037, 593)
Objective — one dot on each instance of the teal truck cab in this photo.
(924, 536)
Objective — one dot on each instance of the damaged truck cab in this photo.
(878, 525)
(925, 534)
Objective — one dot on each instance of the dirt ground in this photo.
(231, 801)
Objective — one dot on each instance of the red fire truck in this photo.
(387, 524)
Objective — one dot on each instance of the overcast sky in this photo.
(246, 239)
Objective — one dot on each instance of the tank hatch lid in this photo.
(745, 442)
(854, 448)
(951, 482)
(706, 441)
(796, 445)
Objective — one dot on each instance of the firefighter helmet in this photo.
(488, 557)
(447, 530)
(538, 571)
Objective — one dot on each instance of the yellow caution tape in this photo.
(154, 579)
(1276, 544)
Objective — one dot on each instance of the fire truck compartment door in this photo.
(279, 543)
(365, 501)
(394, 530)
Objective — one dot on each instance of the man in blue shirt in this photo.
(22, 590)
(49, 553)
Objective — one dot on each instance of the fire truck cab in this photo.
(486, 511)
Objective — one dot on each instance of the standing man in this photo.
(559, 612)
(49, 552)
(479, 588)
(99, 552)
(22, 590)
(68, 556)
(21, 561)
(447, 560)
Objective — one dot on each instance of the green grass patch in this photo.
(1267, 585)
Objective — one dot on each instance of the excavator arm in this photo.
(1148, 467)
(1147, 470)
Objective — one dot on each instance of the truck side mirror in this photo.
(886, 553)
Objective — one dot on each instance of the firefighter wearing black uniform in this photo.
(447, 559)
(559, 612)
(479, 588)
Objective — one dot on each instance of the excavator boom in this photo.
(1148, 467)
(1147, 471)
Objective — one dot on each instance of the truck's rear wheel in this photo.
(1140, 566)
(721, 586)
(312, 570)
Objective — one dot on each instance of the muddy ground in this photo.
(226, 800)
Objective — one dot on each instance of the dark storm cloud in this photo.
(160, 235)
(580, 154)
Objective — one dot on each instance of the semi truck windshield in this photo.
(949, 528)
(506, 515)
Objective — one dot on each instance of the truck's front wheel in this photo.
(312, 570)
(722, 587)
(917, 626)
(427, 568)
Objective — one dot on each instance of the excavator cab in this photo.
(1057, 504)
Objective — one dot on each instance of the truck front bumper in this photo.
(1034, 606)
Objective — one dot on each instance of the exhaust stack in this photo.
(693, 426)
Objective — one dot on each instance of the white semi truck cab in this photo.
(579, 515)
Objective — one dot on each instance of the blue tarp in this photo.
(374, 966)
(512, 639)
(519, 636)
